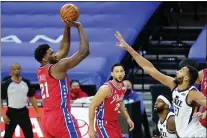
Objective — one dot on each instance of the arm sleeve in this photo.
(197, 86)
(31, 92)
(4, 87)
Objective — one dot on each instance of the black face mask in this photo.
(128, 92)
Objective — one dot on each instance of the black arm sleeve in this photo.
(4, 87)
(6, 78)
(30, 93)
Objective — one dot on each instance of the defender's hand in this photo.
(122, 44)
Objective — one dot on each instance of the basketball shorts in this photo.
(194, 130)
(108, 129)
(203, 122)
(199, 132)
(60, 124)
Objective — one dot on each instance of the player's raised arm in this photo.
(103, 92)
(65, 43)
(145, 64)
(67, 63)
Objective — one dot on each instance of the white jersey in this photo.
(186, 126)
(162, 127)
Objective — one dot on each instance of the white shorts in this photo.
(194, 130)
(200, 132)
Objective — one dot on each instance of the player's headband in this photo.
(164, 99)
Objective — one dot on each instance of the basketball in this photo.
(69, 11)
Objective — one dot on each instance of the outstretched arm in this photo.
(145, 64)
(65, 43)
(58, 70)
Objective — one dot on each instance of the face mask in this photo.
(128, 92)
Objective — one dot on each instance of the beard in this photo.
(178, 81)
(158, 110)
(17, 75)
(119, 81)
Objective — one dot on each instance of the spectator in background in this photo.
(132, 96)
(15, 90)
(76, 91)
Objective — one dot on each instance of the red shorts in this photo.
(203, 121)
(108, 129)
(60, 124)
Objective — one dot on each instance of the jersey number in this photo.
(44, 90)
(164, 134)
(117, 107)
(176, 110)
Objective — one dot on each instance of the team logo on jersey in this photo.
(123, 88)
(183, 94)
(117, 98)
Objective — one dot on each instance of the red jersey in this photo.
(204, 81)
(203, 90)
(108, 109)
(55, 93)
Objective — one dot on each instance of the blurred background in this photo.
(163, 32)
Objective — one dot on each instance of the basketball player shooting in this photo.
(58, 121)
(108, 101)
(166, 123)
(185, 95)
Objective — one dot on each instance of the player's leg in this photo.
(67, 126)
(76, 126)
(105, 129)
(10, 128)
(118, 129)
(47, 125)
(99, 135)
(200, 132)
(25, 124)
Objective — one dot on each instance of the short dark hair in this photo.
(73, 81)
(188, 62)
(40, 52)
(115, 65)
(193, 75)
